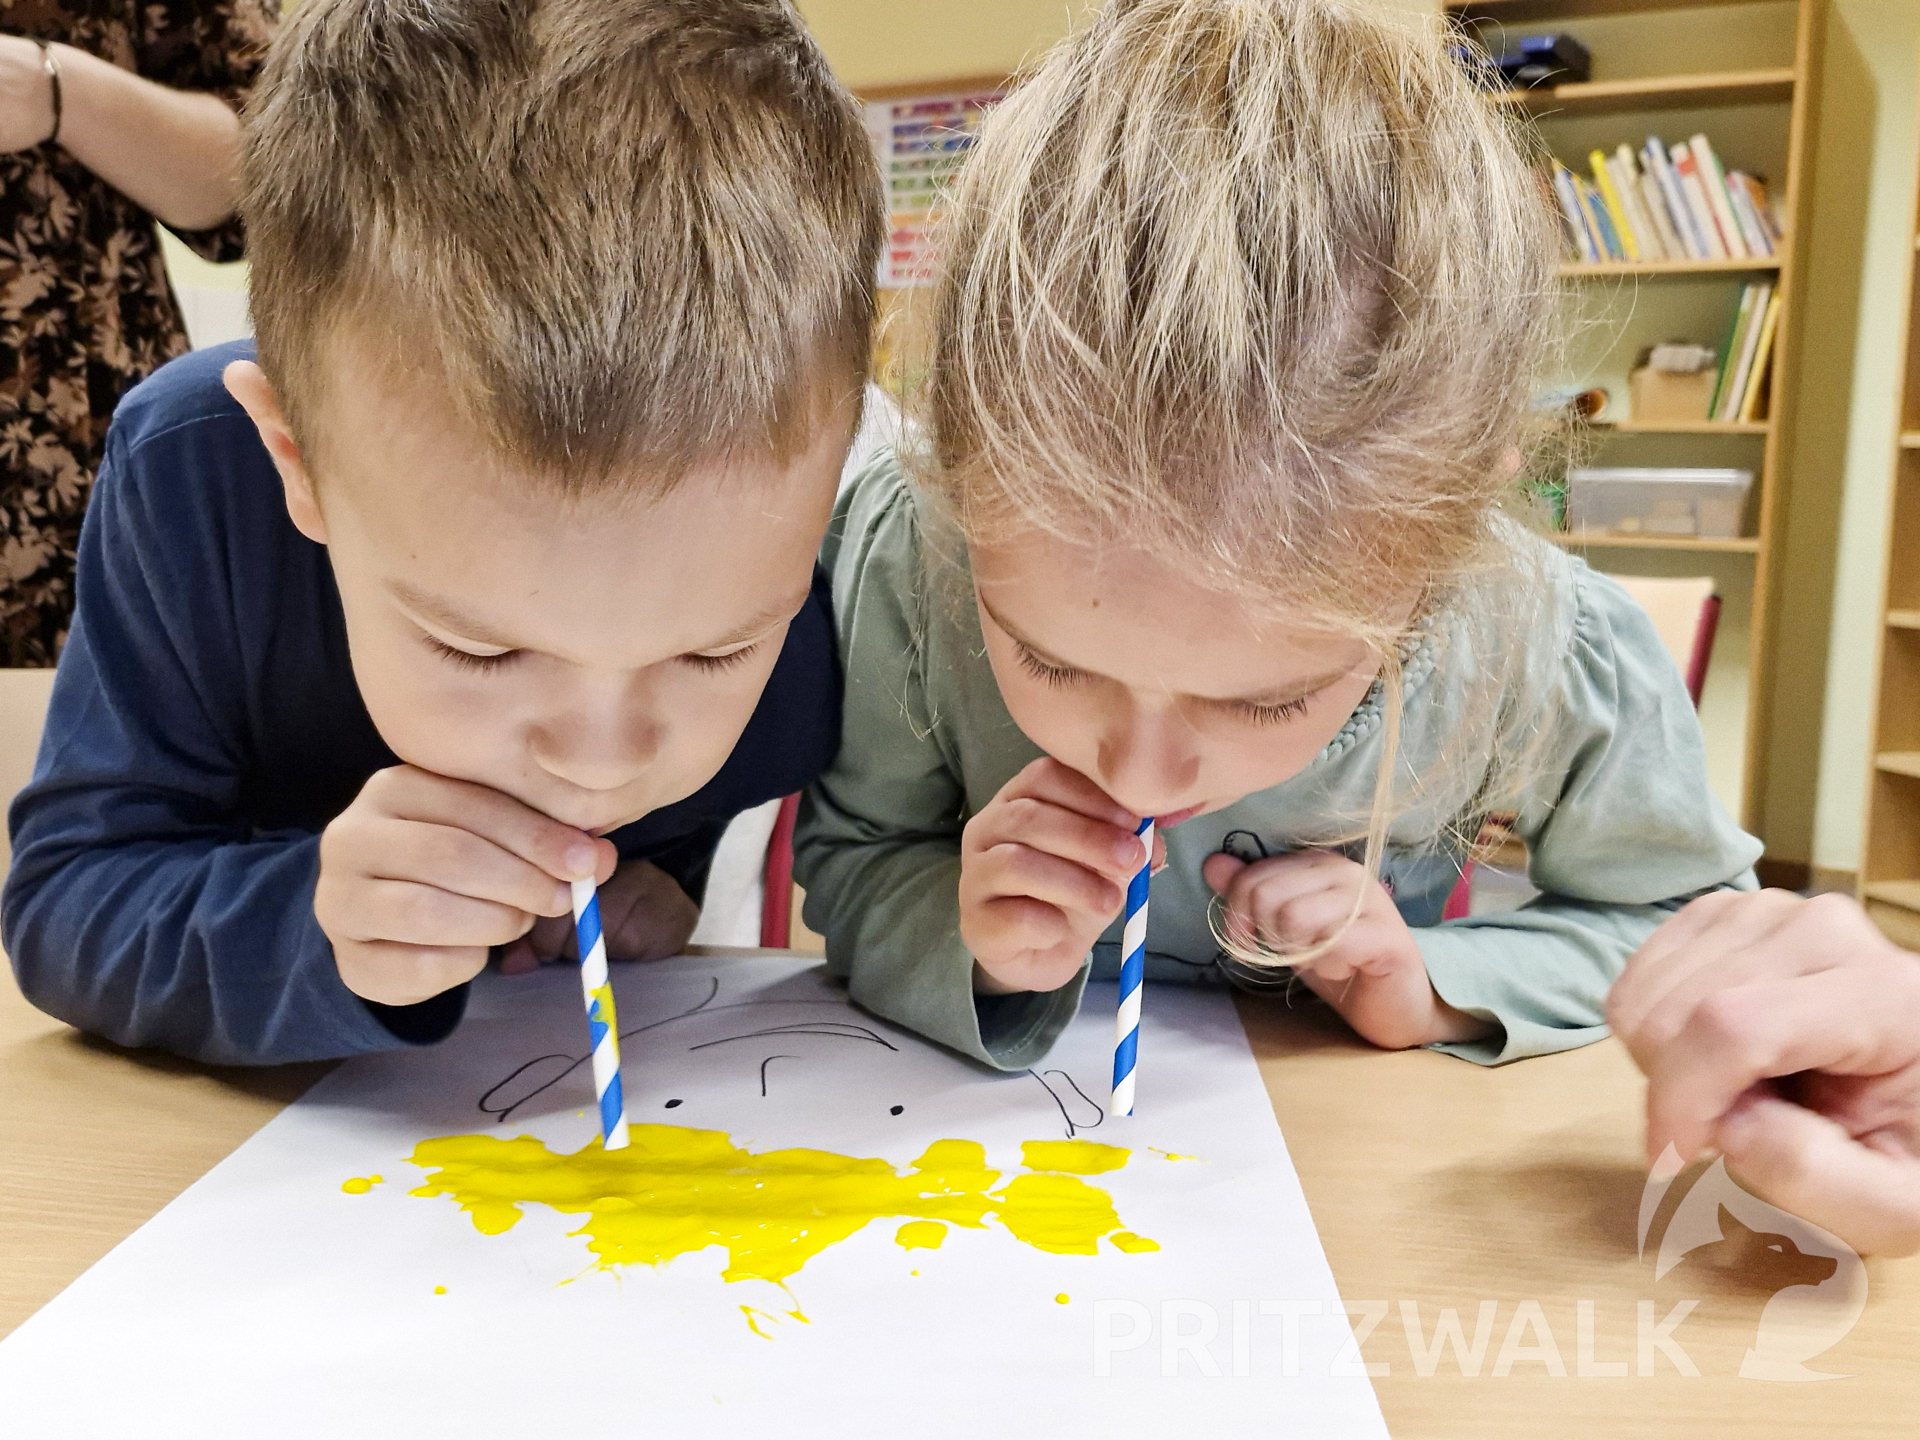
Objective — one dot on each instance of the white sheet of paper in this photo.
(265, 1300)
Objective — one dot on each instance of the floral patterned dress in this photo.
(86, 310)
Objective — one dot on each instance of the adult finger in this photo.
(1851, 1020)
(1705, 930)
(1811, 1167)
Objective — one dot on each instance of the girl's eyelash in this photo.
(1052, 675)
(466, 659)
(1274, 714)
(712, 663)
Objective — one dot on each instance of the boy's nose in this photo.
(1148, 766)
(602, 751)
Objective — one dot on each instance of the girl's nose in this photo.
(1149, 764)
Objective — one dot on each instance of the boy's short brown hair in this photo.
(627, 234)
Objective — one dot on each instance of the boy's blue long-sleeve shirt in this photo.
(205, 726)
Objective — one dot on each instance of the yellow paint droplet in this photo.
(1131, 1243)
(1072, 1157)
(1170, 1155)
(1061, 1298)
(360, 1184)
(920, 1235)
(439, 1289)
(676, 1191)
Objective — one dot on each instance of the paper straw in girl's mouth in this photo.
(1133, 964)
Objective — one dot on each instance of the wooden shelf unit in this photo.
(1663, 92)
(1578, 270)
(1890, 842)
(1742, 107)
(1684, 427)
(1611, 540)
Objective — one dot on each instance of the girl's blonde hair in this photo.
(1258, 285)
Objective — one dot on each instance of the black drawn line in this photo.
(502, 1114)
(1073, 1128)
(838, 1029)
(1099, 1113)
(763, 1070)
(505, 1112)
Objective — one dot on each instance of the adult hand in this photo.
(1785, 1033)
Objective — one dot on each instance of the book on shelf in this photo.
(1665, 205)
(1713, 180)
(1740, 379)
(1756, 381)
(1746, 344)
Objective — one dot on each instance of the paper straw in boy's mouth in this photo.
(1133, 964)
(603, 1033)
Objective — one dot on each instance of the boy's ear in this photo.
(248, 384)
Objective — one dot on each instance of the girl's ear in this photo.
(248, 384)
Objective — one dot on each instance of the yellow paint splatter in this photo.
(920, 1235)
(439, 1289)
(1072, 1157)
(1061, 1299)
(1170, 1155)
(1128, 1241)
(675, 1191)
(360, 1184)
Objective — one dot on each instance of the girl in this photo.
(1241, 306)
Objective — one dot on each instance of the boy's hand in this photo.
(421, 876)
(644, 914)
(1043, 870)
(1373, 974)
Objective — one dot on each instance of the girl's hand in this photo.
(1043, 870)
(644, 914)
(1372, 974)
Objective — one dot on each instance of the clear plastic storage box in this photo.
(1625, 500)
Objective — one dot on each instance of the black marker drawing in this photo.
(569, 1063)
(839, 1029)
(1074, 1127)
(1077, 1110)
(763, 1070)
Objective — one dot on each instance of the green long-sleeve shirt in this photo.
(1613, 802)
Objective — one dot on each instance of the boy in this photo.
(496, 569)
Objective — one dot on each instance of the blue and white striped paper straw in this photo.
(603, 1033)
(1133, 965)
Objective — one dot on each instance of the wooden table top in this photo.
(1436, 1184)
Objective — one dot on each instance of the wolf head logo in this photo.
(1822, 1286)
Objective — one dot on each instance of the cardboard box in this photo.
(1659, 397)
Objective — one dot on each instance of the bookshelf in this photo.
(1742, 72)
(1890, 846)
